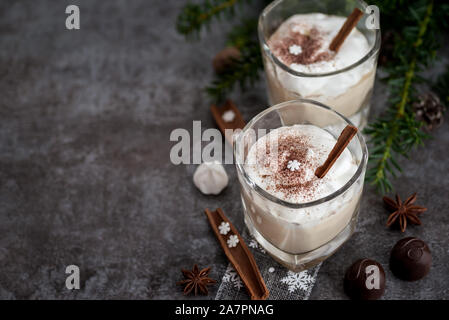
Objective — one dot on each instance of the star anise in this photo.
(195, 280)
(403, 211)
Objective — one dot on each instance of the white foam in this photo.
(321, 143)
(352, 50)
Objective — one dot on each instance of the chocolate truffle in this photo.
(365, 280)
(410, 259)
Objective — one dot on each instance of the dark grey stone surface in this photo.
(85, 175)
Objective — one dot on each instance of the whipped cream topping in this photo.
(284, 161)
(313, 33)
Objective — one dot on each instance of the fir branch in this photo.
(399, 132)
(416, 25)
(246, 70)
(194, 16)
(243, 34)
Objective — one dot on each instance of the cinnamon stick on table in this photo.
(240, 256)
(343, 140)
(346, 29)
(219, 114)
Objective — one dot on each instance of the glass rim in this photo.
(265, 47)
(263, 193)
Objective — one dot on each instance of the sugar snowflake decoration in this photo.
(253, 244)
(228, 116)
(293, 165)
(233, 241)
(301, 280)
(295, 49)
(224, 228)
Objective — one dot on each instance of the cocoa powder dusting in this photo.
(310, 45)
(291, 182)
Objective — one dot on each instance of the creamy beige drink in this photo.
(298, 218)
(304, 67)
(283, 163)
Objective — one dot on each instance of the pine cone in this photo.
(429, 109)
(225, 58)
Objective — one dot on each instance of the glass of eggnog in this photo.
(298, 218)
(295, 38)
